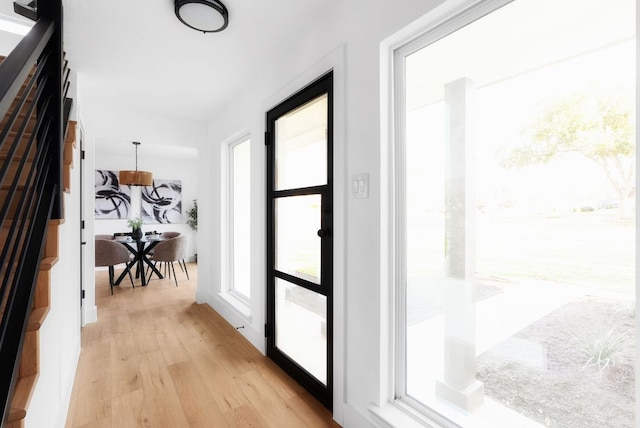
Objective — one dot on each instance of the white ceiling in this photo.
(136, 52)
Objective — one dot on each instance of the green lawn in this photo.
(590, 249)
(593, 249)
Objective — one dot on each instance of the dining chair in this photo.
(110, 253)
(169, 235)
(105, 237)
(164, 236)
(169, 251)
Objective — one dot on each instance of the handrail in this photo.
(16, 67)
(32, 104)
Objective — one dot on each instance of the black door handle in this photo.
(323, 233)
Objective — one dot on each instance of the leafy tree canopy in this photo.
(598, 125)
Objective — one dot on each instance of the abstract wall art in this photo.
(162, 202)
(112, 200)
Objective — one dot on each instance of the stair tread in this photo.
(21, 117)
(7, 187)
(17, 157)
(71, 133)
(20, 149)
(48, 262)
(37, 317)
(21, 397)
(26, 134)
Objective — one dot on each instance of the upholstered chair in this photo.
(165, 235)
(169, 235)
(169, 251)
(110, 253)
(105, 237)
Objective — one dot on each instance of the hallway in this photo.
(155, 358)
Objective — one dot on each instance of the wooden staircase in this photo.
(29, 365)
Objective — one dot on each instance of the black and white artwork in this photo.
(112, 200)
(162, 202)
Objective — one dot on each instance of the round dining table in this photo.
(140, 251)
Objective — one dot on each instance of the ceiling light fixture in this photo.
(135, 178)
(208, 16)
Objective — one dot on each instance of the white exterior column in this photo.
(459, 385)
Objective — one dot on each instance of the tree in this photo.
(597, 125)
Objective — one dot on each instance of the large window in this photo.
(239, 218)
(515, 215)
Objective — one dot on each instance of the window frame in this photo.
(230, 224)
(395, 408)
(400, 408)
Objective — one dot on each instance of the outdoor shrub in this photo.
(630, 310)
(604, 347)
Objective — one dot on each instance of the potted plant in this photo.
(192, 213)
(192, 220)
(136, 227)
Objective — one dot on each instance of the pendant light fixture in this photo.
(135, 178)
(208, 16)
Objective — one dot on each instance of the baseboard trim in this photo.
(233, 317)
(90, 315)
(65, 401)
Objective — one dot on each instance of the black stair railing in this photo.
(32, 94)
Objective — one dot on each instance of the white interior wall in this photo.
(116, 126)
(360, 323)
(184, 170)
(8, 41)
(60, 333)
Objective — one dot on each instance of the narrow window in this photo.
(239, 219)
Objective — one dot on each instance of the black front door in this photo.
(299, 237)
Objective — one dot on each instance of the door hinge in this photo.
(267, 331)
(81, 154)
(267, 138)
(82, 292)
(82, 224)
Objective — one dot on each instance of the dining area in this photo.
(140, 258)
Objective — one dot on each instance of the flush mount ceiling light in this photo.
(135, 178)
(208, 16)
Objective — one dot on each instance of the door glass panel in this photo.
(301, 149)
(301, 323)
(297, 241)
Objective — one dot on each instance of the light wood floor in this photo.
(155, 358)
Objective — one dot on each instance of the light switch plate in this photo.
(360, 186)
